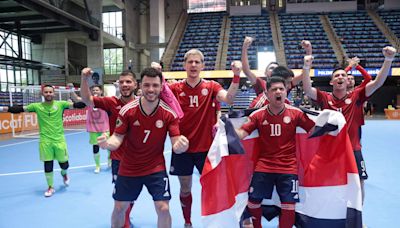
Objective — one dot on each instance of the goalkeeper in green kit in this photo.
(52, 144)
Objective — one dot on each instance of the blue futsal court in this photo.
(87, 202)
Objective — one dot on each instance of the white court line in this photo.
(41, 171)
(34, 140)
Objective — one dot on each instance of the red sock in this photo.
(127, 218)
(287, 217)
(186, 203)
(256, 216)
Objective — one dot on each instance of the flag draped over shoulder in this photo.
(330, 193)
(225, 179)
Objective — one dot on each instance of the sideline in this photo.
(34, 140)
(41, 171)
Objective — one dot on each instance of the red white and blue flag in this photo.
(330, 193)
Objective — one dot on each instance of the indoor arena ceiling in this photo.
(35, 17)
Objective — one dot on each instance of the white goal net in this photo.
(26, 124)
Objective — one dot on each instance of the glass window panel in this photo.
(10, 75)
(3, 75)
(24, 77)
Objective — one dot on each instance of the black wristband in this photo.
(16, 109)
(79, 104)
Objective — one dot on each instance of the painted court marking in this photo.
(35, 140)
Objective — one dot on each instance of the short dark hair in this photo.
(128, 73)
(47, 85)
(93, 86)
(281, 71)
(269, 64)
(275, 79)
(151, 72)
(336, 69)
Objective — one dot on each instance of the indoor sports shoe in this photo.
(50, 191)
(97, 170)
(188, 225)
(65, 180)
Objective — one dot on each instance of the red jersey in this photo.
(260, 86)
(199, 108)
(261, 100)
(145, 136)
(112, 105)
(277, 138)
(350, 106)
(367, 78)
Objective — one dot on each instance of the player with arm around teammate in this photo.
(52, 144)
(112, 105)
(277, 164)
(196, 97)
(144, 123)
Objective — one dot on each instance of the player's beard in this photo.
(127, 96)
(48, 98)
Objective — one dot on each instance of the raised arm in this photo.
(308, 89)
(85, 91)
(245, 60)
(306, 45)
(367, 77)
(372, 86)
(74, 97)
(112, 143)
(229, 96)
(180, 144)
(353, 62)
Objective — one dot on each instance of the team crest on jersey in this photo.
(159, 123)
(204, 92)
(182, 94)
(286, 119)
(347, 101)
(118, 123)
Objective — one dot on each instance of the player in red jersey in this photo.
(280, 71)
(354, 63)
(112, 105)
(196, 97)
(258, 83)
(277, 163)
(350, 103)
(144, 123)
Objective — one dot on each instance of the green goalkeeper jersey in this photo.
(50, 117)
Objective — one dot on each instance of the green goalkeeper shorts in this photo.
(50, 151)
(93, 137)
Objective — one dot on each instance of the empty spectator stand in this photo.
(392, 20)
(242, 101)
(298, 27)
(202, 32)
(257, 27)
(359, 36)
